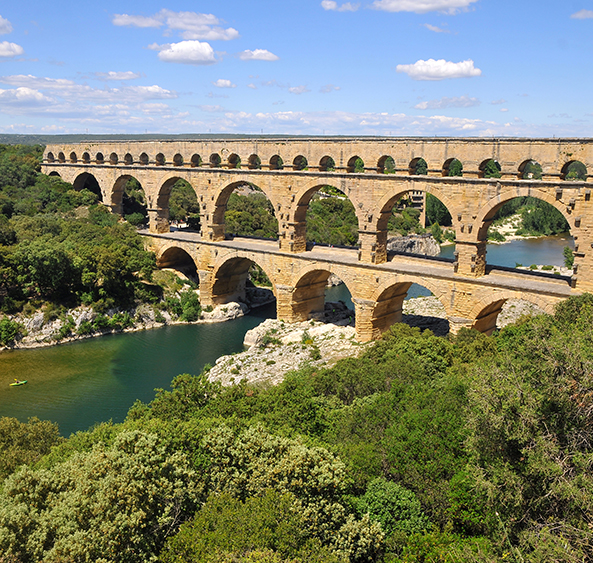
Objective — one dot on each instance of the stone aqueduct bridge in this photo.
(290, 171)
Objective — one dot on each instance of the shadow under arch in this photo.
(256, 209)
(486, 315)
(422, 311)
(320, 202)
(128, 199)
(230, 280)
(176, 258)
(86, 181)
(163, 201)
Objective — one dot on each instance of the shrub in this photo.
(9, 331)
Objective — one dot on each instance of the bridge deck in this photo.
(420, 266)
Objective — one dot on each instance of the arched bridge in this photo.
(374, 174)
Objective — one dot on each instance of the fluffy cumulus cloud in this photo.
(334, 6)
(191, 25)
(8, 49)
(257, 55)
(422, 6)
(439, 70)
(113, 75)
(298, 90)
(22, 96)
(223, 83)
(582, 15)
(5, 26)
(435, 28)
(457, 102)
(186, 52)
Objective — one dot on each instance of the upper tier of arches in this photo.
(566, 168)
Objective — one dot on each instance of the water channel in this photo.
(94, 380)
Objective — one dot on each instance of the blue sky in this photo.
(311, 67)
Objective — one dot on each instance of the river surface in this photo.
(95, 380)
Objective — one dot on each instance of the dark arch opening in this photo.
(490, 168)
(530, 170)
(86, 181)
(196, 161)
(184, 209)
(418, 167)
(452, 167)
(178, 160)
(536, 237)
(160, 159)
(99, 159)
(234, 161)
(50, 157)
(276, 163)
(215, 160)
(248, 212)
(61, 157)
(73, 157)
(574, 171)
(300, 163)
(329, 217)
(355, 165)
(327, 164)
(86, 158)
(128, 159)
(177, 259)
(129, 198)
(503, 312)
(144, 159)
(113, 158)
(54, 173)
(254, 162)
(386, 165)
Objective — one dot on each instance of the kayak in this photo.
(18, 383)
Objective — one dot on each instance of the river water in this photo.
(95, 380)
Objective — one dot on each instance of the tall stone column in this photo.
(158, 220)
(373, 247)
(364, 317)
(284, 308)
(470, 258)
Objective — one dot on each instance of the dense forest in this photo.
(425, 449)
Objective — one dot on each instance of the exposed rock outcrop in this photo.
(414, 244)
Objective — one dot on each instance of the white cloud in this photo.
(5, 26)
(223, 83)
(328, 88)
(504, 110)
(185, 52)
(112, 75)
(192, 25)
(498, 102)
(439, 70)
(10, 49)
(22, 96)
(458, 102)
(298, 90)
(258, 55)
(346, 7)
(435, 28)
(582, 15)
(422, 6)
(252, 86)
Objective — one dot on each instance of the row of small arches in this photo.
(488, 168)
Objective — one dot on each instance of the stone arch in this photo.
(178, 160)
(73, 157)
(120, 204)
(386, 165)
(50, 157)
(159, 159)
(54, 173)
(163, 204)
(113, 158)
(327, 164)
(529, 170)
(308, 295)
(355, 165)
(61, 157)
(99, 158)
(254, 162)
(196, 161)
(575, 171)
(144, 160)
(222, 199)
(276, 163)
(486, 214)
(484, 314)
(452, 167)
(215, 160)
(128, 159)
(229, 278)
(418, 167)
(179, 259)
(89, 182)
(86, 158)
(490, 168)
(234, 161)
(300, 163)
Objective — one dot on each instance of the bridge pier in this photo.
(373, 247)
(294, 238)
(470, 258)
(158, 220)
